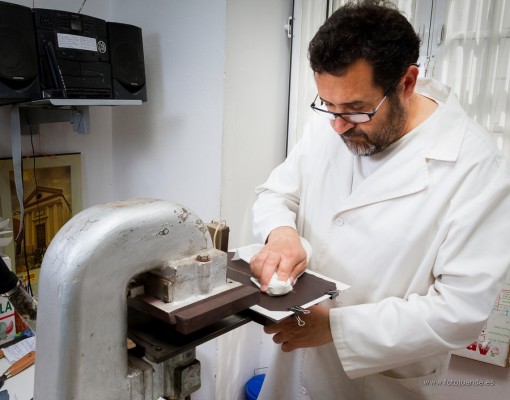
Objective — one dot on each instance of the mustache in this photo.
(354, 132)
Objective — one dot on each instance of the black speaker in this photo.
(126, 57)
(18, 55)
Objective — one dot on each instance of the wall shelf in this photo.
(75, 111)
(81, 102)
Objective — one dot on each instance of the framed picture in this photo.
(52, 195)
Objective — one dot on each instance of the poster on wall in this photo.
(51, 196)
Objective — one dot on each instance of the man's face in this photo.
(354, 92)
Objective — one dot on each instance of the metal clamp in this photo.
(333, 294)
(297, 310)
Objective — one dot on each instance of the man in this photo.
(401, 196)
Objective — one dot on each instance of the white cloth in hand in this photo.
(275, 286)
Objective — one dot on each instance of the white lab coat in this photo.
(423, 241)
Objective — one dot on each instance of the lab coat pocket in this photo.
(383, 386)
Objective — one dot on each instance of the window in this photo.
(474, 60)
(40, 230)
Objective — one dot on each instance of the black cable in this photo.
(84, 1)
(291, 22)
(29, 285)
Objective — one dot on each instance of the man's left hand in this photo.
(315, 332)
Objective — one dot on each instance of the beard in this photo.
(361, 143)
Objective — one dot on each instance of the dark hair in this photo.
(373, 30)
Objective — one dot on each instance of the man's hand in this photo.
(315, 332)
(283, 254)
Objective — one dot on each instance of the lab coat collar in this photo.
(447, 126)
(407, 172)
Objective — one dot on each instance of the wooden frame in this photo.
(52, 195)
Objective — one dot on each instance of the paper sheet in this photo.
(18, 350)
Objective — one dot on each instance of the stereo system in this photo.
(52, 54)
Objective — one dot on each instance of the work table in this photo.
(20, 385)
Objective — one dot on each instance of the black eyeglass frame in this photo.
(365, 115)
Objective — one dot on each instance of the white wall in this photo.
(256, 105)
(170, 147)
(254, 141)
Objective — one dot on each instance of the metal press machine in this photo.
(141, 269)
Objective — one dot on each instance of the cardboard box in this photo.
(7, 321)
(493, 344)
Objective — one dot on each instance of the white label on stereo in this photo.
(76, 42)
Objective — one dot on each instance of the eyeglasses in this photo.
(352, 117)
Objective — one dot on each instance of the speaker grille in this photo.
(17, 59)
(18, 56)
(126, 50)
(127, 66)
